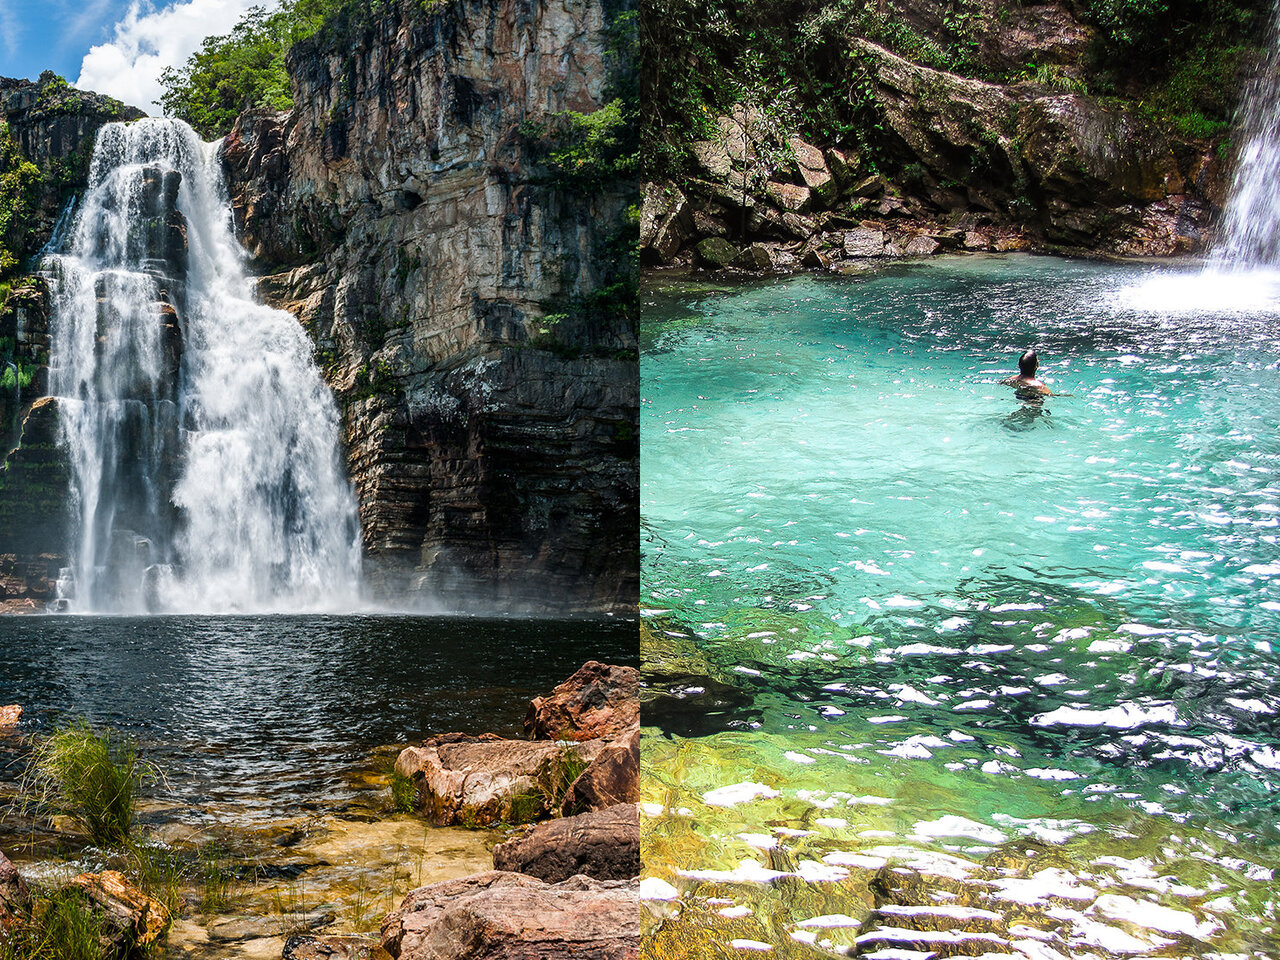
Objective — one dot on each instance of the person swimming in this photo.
(1025, 383)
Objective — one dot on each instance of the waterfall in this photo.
(1251, 219)
(202, 441)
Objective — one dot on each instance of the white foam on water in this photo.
(736, 793)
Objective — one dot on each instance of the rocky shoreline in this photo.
(976, 166)
(564, 884)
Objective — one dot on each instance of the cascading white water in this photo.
(1251, 220)
(202, 439)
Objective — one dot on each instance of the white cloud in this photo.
(148, 40)
(8, 29)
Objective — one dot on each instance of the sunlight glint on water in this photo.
(1059, 613)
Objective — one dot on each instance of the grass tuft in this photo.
(64, 927)
(91, 776)
(404, 794)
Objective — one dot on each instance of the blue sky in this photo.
(117, 47)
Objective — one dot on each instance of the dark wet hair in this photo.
(1027, 364)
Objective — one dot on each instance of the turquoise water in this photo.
(1049, 608)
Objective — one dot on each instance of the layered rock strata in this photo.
(460, 294)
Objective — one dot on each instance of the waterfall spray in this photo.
(1251, 219)
(202, 440)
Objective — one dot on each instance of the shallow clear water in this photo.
(251, 718)
(987, 608)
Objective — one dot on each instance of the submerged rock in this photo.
(603, 844)
(235, 929)
(305, 946)
(516, 917)
(599, 700)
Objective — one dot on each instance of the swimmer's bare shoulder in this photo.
(1027, 385)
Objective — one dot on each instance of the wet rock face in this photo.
(516, 917)
(490, 420)
(33, 512)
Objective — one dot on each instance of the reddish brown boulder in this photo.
(10, 715)
(511, 916)
(598, 701)
(602, 844)
(15, 898)
(613, 777)
(475, 781)
(132, 918)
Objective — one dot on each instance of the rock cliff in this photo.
(463, 295)
(1008, 147)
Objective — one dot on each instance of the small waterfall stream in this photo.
(1250, 235)
(202, 440)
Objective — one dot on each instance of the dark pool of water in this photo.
(263, 714)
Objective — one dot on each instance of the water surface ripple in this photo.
(1037, 608)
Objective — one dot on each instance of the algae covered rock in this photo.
(475, 781)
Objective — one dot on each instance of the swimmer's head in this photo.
(1027, 364)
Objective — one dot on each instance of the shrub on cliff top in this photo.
(244, 68)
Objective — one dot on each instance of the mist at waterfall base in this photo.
(1054, 620)
(202, 440)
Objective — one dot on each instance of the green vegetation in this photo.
(404, 795)
(1183, 61)
(559, 775)
(244, 68)
(93, 777)
(20, 182)
(63, 927)
(215, 874)
(15, 378)
(584, 150)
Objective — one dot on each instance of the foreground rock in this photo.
(132, 919)
(10, 715)
(603, 844)
(474, 781)
(599, 700)
(613, 777)
(516, 917)
(15, 898)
